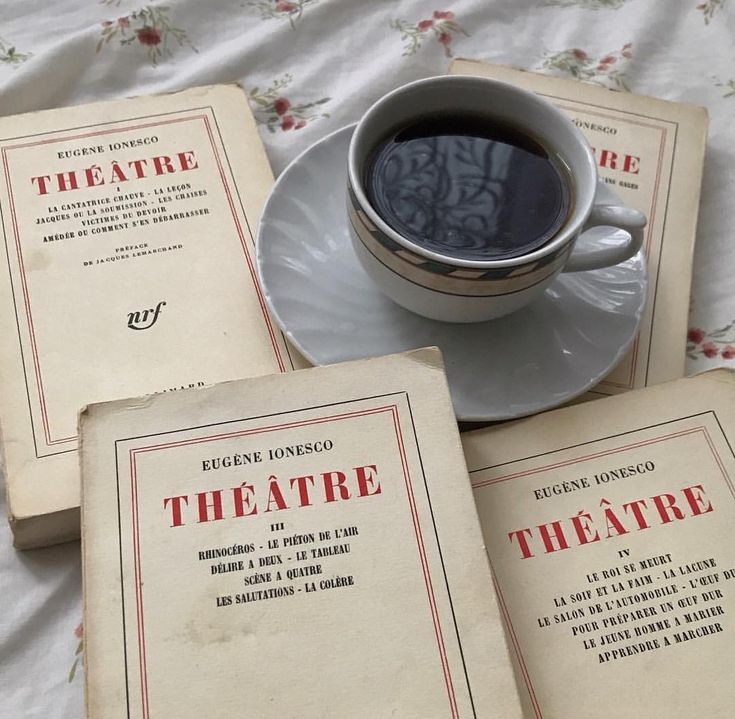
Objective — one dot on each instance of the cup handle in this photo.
(615, 217)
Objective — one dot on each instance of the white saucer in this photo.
(537, 358)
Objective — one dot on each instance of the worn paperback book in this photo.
(128, 231)
(299, 545)
(609, 527)
(650, 152)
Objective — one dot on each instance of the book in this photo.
(297, 545)
(609, 530)
(651, 153)
(129, 269)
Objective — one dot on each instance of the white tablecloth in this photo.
(312, 66)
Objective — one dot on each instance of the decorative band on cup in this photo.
(449, 279)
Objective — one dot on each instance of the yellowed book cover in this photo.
(651, 153)
(300, 545)
(128, 234)
(609, 527)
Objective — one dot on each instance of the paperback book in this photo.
(293, 545)
(650, 152)
(609, 530)
(127, 232)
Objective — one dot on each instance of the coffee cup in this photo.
(444, 256)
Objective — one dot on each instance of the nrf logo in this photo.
(145, 319)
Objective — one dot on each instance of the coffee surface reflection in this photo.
(468, 187)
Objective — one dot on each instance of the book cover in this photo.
(651, 153)
(298, 545)
(128, 231)
(609, 530)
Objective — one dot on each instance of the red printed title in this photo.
(610, 521)
(115, 172)
(273, 495)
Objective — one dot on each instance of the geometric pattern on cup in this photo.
(460, 281)
(449, 279)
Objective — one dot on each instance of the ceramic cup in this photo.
(453, 289)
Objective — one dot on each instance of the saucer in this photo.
(537, 358)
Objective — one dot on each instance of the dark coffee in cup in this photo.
(469, 187)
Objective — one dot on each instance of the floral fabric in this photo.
(310, 67)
